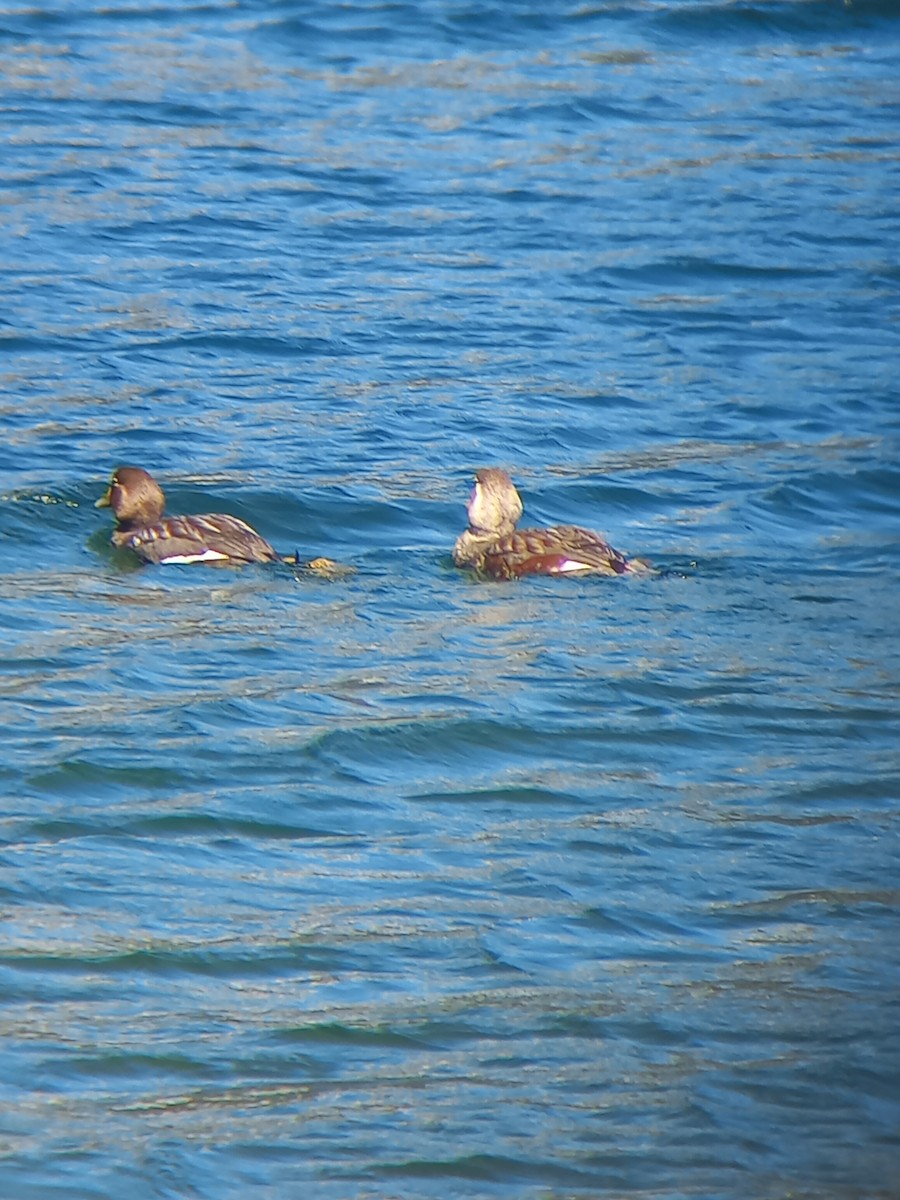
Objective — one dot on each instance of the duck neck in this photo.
(485, 536)
(132, 524)
(472, 544)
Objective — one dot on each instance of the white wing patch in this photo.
(204, 556)
(571, 564)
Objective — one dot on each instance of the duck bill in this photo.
(103, 502)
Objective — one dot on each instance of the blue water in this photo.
(401, 884)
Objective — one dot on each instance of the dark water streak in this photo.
(400, 884)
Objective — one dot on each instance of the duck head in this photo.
(494, 505)
(134, 496)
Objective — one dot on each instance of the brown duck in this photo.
(138, 503)
(494, 547)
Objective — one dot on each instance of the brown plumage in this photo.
(493, 546)
(138, 503)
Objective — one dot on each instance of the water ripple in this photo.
(398, 882)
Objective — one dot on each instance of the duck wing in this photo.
(559, 550)
(214, 537)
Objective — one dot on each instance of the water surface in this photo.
(403, 884)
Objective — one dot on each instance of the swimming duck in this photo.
(138, 503)
(494, 547)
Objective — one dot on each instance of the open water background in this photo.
(405, 885)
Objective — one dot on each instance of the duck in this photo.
(494, 547)
(139, 504)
